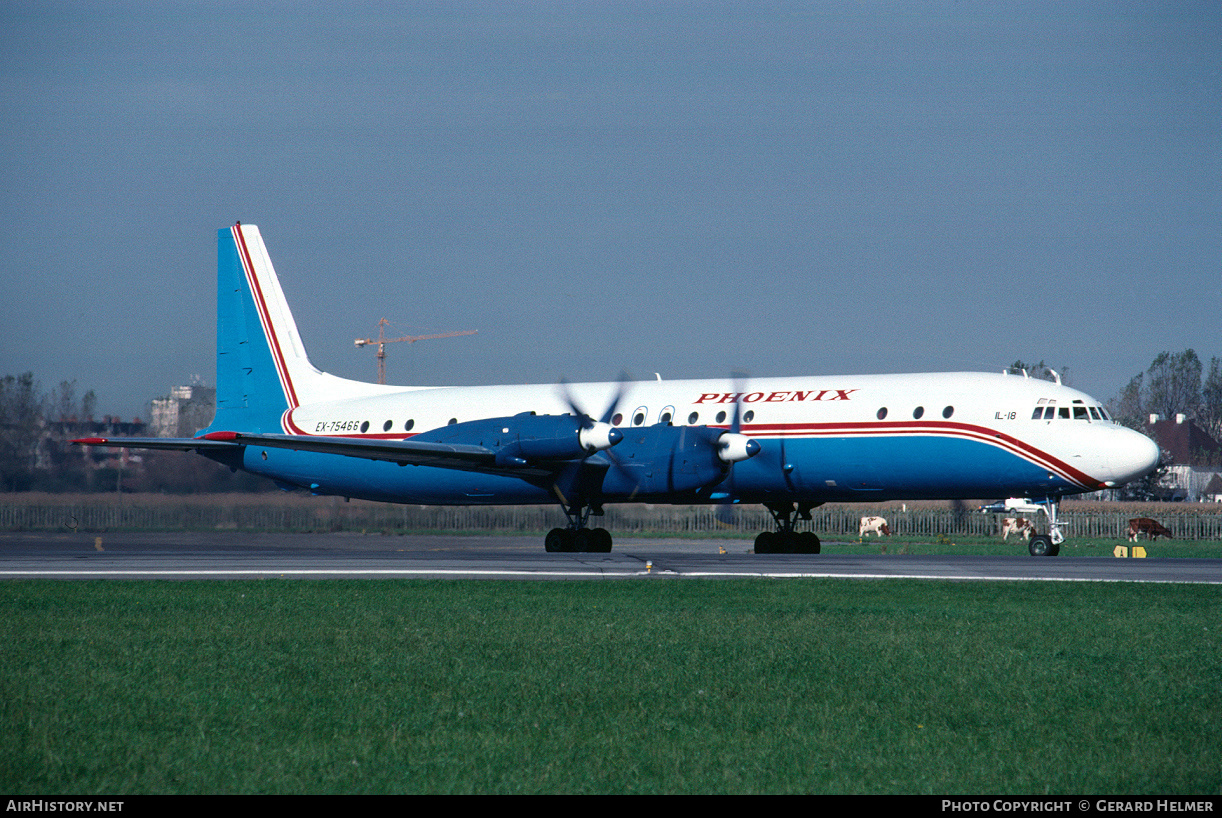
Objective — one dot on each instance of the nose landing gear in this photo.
(1047, 545)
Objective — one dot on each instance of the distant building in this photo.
(1195, 456)
(187, 410)
(1212, 493)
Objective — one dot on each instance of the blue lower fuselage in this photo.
(849, 469)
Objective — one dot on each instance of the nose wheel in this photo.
(1041, 545)
(1047, 545)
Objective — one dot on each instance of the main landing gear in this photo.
(785, 540)
(577, 537)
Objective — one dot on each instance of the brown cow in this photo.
(1151, 528)
(1016, 525)
(873, 525)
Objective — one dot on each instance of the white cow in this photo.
(873, 525)
(1016, 525)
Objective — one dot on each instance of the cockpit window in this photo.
(1080, 412)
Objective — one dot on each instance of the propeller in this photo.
(597, 435)
(735, 446)
(661, 457)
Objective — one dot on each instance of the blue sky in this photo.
(684, 188)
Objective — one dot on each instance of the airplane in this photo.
(789, 443)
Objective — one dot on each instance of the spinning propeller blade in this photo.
(729, 495)
(596, 435)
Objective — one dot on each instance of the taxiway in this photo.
(232, 555)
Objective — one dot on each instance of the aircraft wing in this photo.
(405, 452)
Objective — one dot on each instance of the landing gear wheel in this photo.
(1041, 545)
(558, 539)
(587, 540)
(766, 543)
(582, 540)
(600, 541)
(785, 540)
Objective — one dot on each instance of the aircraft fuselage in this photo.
(837, 438)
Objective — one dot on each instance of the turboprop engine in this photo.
(665, 459)
(528, 438)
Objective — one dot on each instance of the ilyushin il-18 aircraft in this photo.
(790, 443)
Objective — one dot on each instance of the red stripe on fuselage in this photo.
(967, 431)
(269, 331)
(808, 431)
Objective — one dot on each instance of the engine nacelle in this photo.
(526, 438)
(665, 460)
(733, 447)
(599, 436)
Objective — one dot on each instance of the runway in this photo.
(231, 555)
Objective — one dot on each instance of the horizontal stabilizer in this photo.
(179, 444)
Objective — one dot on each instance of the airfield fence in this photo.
(266, 512)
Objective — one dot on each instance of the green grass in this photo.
(657, 686)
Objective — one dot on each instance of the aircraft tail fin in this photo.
(262, 370)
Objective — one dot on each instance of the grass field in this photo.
(666, 686)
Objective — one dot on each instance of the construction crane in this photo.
(382, 341)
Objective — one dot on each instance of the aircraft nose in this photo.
(1133, 455)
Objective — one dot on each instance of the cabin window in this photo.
(638, 417)
(364, 427)
(386, 426)
(721, 417)
(882, 413)
(668, 414)
(948, 411)
(917, 412)
(750, 416)
(617, 419)
(407, 427)
(692, 418)
(451, 421)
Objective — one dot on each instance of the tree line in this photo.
(24, 413)
(1175, 384)
(36, 454)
